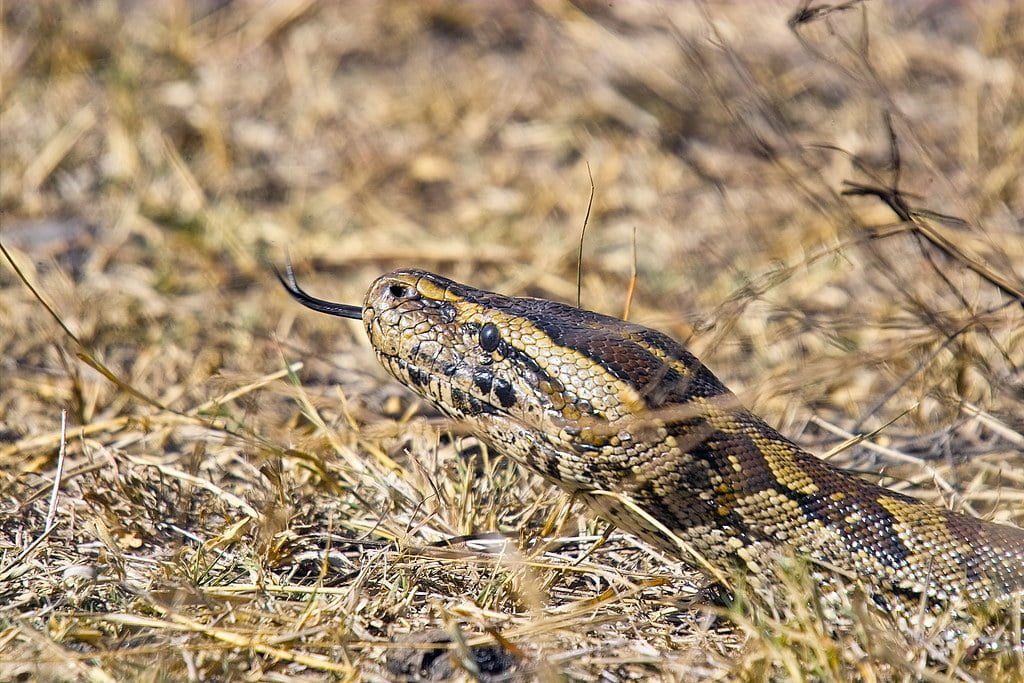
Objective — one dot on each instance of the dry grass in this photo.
(223, 513)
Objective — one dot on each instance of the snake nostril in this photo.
(398, 291)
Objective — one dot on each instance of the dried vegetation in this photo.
(243, 494)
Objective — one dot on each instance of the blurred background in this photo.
(155, 157)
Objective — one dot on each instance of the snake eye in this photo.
(490, 336)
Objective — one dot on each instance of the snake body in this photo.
(627, 419)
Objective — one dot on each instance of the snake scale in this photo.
(627, 419)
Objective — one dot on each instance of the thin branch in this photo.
(583, 234)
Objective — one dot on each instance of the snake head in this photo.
(548, 366)
(459, 347)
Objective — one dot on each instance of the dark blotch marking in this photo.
(503, 390)
(474, 406)
(471, 406)
(483, 379)
(417, 376)
(551, 467)
(460, 400)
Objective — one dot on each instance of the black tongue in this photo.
(309, 301)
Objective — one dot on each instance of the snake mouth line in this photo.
(417, 378)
